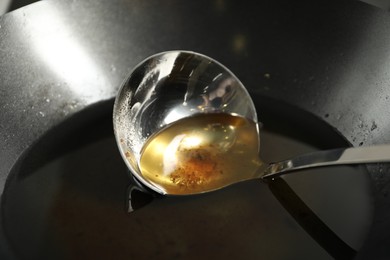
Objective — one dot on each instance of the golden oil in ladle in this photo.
(201, 153)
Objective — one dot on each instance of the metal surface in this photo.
(331, 58)
(384, 4)
(10, 5)
(355, 155)
(167, 87)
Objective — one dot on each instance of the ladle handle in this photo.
(358, 155)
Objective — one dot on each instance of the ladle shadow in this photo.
(139, 196)
(309, 221)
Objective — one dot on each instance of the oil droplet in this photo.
(239, 43)
(373, 126)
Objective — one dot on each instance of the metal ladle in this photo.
(174, 85)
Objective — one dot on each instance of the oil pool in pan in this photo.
(76, 203)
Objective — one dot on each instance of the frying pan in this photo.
(63, 61)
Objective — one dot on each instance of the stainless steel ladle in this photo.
(173, 85)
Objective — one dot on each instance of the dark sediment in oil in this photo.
(76, 205)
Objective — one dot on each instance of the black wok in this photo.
(323, 67)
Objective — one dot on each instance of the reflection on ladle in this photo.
(185, 124)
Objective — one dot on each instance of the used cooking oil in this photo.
(201, 153)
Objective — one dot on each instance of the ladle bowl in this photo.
(167, 87)
(175, 85)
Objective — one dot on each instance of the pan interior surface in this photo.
(74, 202)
